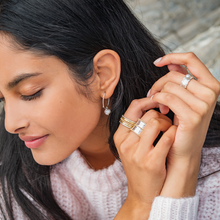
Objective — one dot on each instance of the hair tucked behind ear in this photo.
(75, 31)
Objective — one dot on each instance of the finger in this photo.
(193, 64)
(163, 109)
(132, 138)
(163, 146)
(192, 101)
(177, 68)
(180, 108)
(135, 111)
(148, 136)
(199, 90)
(154, 114)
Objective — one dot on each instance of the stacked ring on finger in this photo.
(138, 127)
(127, 122)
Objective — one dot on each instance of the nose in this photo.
(15, 120)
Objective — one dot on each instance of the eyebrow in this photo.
(20, 78)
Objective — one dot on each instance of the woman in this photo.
(61, 63)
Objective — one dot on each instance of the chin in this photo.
(47, 159)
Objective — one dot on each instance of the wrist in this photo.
(181, 180)
(134, 210)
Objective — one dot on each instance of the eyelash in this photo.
(27, 98)
(31, 97)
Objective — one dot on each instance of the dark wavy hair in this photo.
(75, 31)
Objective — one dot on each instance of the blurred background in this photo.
(183, 26)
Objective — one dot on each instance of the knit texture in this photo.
(168, 208)
(86, 194)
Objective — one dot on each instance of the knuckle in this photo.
(196, 119)
(171, 74)
(153, 166)
(190, 55)
(168, 97)
(204, 109)
(154, 123)
(135, 103)
(153, 114)
(212, 96)
(149, 166)
(124, 148)
(168, 86)
(167, 140)
(136, 160)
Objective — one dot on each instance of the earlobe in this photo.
(107, 65)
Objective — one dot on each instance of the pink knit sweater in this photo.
(86, 194)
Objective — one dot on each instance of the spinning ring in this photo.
(138, 127)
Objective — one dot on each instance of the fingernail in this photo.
(148, 94)
(151, 97)
(157, 60)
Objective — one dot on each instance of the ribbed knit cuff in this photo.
(168, 208)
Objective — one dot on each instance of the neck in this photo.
(99, 160)
(95, 148)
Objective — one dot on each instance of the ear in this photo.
(107, 65)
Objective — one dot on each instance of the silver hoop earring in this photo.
(107, 111)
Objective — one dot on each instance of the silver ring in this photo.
(137, 130)
(186, 81)
(141, 124)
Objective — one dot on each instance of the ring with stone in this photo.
(186, 81)
(127, 122)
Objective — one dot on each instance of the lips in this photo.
(33, 141)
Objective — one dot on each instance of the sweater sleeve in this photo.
(179, 209)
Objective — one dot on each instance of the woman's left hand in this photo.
(193, 108)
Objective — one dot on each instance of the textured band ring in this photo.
(137, 130)
(186, 80)
(127, 122)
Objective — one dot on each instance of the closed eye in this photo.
(32, 97)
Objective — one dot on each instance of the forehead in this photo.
(14, 61)
(13, 56)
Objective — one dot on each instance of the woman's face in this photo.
(43, 106)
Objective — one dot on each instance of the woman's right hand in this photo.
(144, 164)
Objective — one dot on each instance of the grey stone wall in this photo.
(175, 22)
(183, 26)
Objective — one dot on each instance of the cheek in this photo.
(70, 119)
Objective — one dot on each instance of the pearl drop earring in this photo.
(107, 111)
